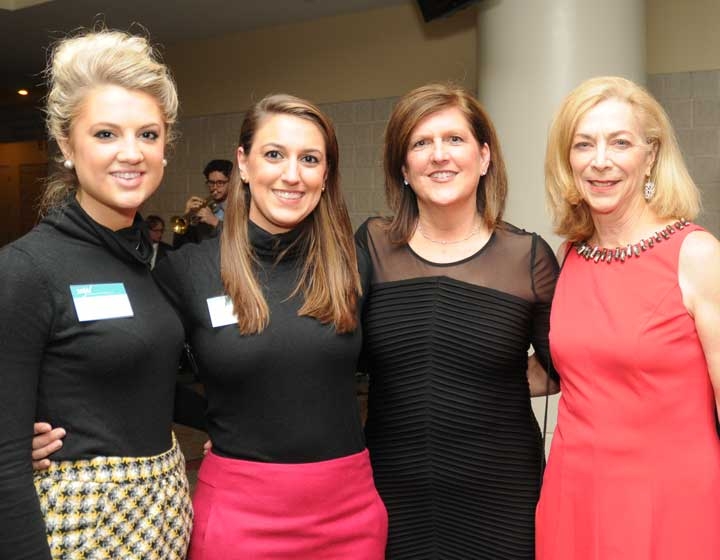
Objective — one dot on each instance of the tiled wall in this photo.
(360, 126)
(692, 100)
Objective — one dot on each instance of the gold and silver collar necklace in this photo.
(603, 254)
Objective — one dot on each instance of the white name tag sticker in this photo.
(100, 301)
(221, 311)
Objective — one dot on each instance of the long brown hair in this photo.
(413, 107)
(329, 280)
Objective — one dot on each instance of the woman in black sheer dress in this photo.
(457, 297)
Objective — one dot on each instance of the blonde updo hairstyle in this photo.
(89, 60)
(676, 195)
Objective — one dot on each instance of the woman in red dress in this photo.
(634, 469)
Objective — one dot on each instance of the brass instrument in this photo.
(180, 224)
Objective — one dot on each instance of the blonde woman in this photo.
(87, 341)
(634, 469)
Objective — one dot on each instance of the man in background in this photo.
(205, 215)
(156, 226)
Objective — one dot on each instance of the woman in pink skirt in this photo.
(272, 310)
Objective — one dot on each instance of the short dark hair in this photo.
(224, 166)
(153, 220)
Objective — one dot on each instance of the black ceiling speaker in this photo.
(433, 9)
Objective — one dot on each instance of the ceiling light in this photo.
(22, 92)
(13, 5)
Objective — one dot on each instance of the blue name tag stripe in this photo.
(94, 290)
(100, 301)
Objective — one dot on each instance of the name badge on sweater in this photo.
(100, 301)
(221, 311)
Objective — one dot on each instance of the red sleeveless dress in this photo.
(634, 468)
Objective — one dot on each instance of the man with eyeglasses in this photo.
(205, 215)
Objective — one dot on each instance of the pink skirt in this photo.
(261, 511)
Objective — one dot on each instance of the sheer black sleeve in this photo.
(361, 240)
(544, 277)
(25, 324)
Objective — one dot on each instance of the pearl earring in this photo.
(164, 162)
(405, 183)
(68, 164)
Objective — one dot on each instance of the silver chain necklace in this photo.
(603, 254)
(475, 231)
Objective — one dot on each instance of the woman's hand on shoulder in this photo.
(540, 382)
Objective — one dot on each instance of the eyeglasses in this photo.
(220, 183)
(161, 230)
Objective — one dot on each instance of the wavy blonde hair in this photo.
(86, 61)
(329, 280)
(676, 194)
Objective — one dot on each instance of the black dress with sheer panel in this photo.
(456, 450)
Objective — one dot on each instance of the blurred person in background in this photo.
(156, 228)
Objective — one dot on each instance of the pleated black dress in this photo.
(455, 448)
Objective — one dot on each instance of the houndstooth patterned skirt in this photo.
(130, 508)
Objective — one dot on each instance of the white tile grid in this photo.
(360, 127)
(692, 101)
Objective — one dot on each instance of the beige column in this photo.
(531, 53)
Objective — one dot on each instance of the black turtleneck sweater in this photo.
(108, 382)
(286, 395)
